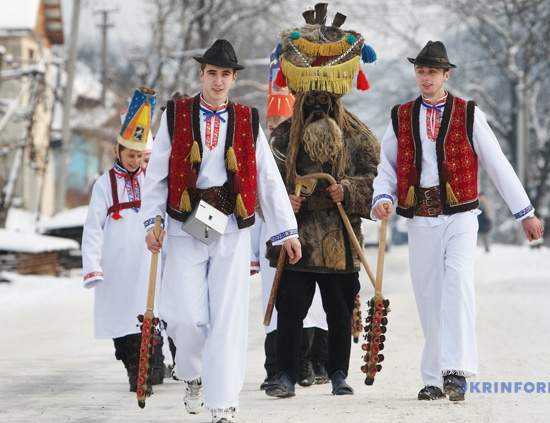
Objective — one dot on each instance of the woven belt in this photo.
(428, 203)
(218, 197)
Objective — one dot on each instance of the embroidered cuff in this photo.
(379, 197)
(283, 236)
(149, 223)
(91, 279)
(526, 212)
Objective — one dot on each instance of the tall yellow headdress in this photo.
(317, 57)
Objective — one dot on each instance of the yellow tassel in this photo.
(337, 79)
(231, 161)
(410, 201)
(451, 197)
(195, 153)
(326, 49)
(185, 202)
(240, 209)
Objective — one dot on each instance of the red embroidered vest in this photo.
(456, 158)
(185, 158)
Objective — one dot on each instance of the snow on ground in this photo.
(52, 370)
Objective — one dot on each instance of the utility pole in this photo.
(67, 105)
(104, 26)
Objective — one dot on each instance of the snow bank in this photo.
(66, 219)
(21, 242)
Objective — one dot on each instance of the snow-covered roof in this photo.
(19, 14)
(31, 243)
(66, 219)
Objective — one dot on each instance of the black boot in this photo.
(283, 387)
(429, 393)
(321, 375)
(157, 360)
(319, 356)
(306, 377)
(268, 381)
(454, 386)
(127, 351)
(270, 364)
(339, 385)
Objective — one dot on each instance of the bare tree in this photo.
(507, 63)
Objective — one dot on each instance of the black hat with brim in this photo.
(220, 54)
(433, 55)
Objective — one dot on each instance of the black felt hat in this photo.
(221, 54)
(433, 55)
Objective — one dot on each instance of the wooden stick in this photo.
(278, 273)
(347, 224)
(380, 259)
(153, 270)
(147, 327)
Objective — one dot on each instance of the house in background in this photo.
(30, 32)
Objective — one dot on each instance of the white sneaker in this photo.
(224, 415)
(193, 396)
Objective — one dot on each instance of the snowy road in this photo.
(52, 370)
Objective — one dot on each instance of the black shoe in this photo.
(339, 385)
(430, 393)
(455, 387)
(283, 387)
(321, 375)
(307, 375)
(269, 380)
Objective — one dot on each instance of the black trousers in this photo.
(295, 295)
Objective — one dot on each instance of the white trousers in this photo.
(204, 299)
(441, 260)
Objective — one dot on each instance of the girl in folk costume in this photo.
(429, 170)
(113, 255)
(211, 152)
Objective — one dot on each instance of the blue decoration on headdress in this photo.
(277, 52)
(351, 39)
(368, 55)
(294, 35)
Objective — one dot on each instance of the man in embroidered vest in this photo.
(429, 170)
(209, 148)
(319, 63)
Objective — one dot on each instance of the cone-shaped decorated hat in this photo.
(136, 127)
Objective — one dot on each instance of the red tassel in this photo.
(116, 215)
(362, 81)
(280, 80)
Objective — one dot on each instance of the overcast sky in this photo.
(129, 21)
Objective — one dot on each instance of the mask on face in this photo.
(318, 104)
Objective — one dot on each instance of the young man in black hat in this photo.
(429, 169)
(209, 149)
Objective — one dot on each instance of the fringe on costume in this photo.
(337, 79)
(322, 49)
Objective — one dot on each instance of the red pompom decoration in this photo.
(280, 80)
(362, 81)
(116, 215)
